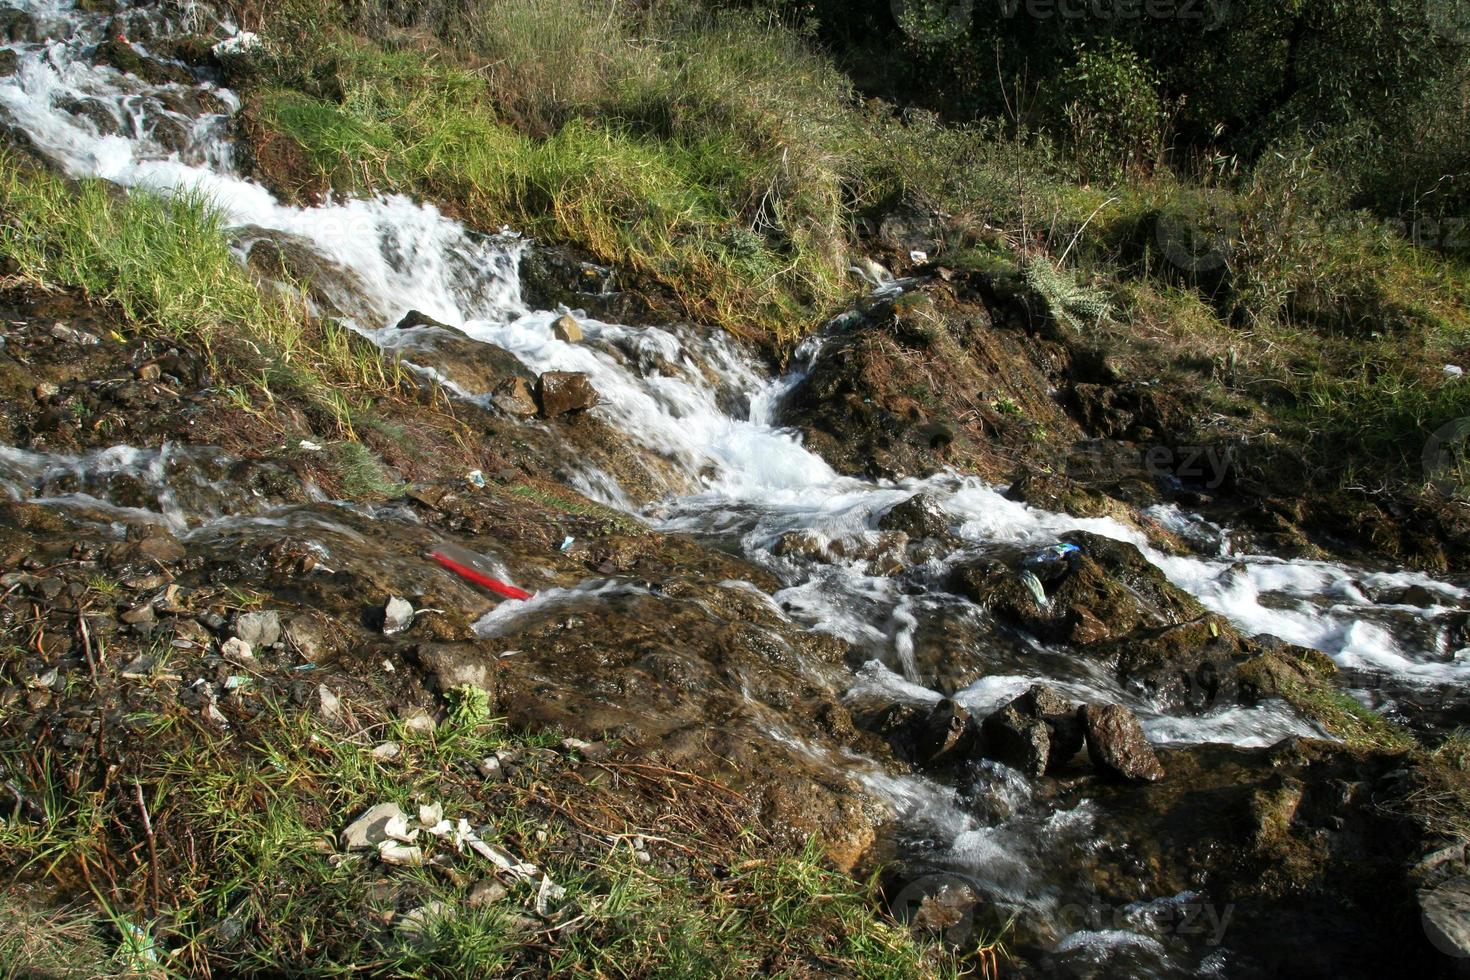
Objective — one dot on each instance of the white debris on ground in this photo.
(394, 833)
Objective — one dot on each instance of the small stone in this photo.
(328, 704)
(149, 372)
(139, 615)
(386, 751)
(309, 635)
(45, 390)
(567, 330)
(431, 814)
(371, 829)
(44, 680)
(486, 892)
(491, 769)
(1117, 745)
(259, 629)
(414, 926)
(238, 652)
(71, 335)
(453, 665)
(397, 616)
(419, 721)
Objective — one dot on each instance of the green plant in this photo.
(1109, 98)
(1069, 302)
(469, 706)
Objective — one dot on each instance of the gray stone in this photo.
(259, 629)
(1446, 916)
(453, 664)
(372, 828)
(237, 651)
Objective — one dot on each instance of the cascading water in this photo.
(745, 481)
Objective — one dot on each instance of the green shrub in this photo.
(1115, 119)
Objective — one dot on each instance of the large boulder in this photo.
(1037, 732)
(1105, 598)
(920, 516)
(563, 392)
(449, 354)
(931, 737)
(1116, 744)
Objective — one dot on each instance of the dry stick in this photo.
(87, 643)
(152, 844)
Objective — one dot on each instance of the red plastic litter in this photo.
(480, 578)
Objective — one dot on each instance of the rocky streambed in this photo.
(1108, 712)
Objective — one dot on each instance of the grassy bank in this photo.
(719, 156)
(235, 870)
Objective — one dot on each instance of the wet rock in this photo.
(473, 366)
(920, 516)
(384, 822)
(553, 276)
(311, 636)
(259, 629)
(929, 736)
(451, 665)
(1116, 744)
(883, 552)
(8, 62)
(17, 25)
(71, 335)
(561, 392)
(397, 616)
(566, 329)
(121, 55)
(514, 397)
(1037, 732)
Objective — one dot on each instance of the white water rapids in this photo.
(746, 479)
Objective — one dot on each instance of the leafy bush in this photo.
(1115, 119)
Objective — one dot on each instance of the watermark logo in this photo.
(1211, 13)
(933, 21)
(1450, 19)
(1446, 916)
(1447, 454)
(1200, 236)
(1187, 916)
(940, 904)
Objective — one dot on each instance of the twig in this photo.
(152, 844)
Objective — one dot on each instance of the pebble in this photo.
(237, 651)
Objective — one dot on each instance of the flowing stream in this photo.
(742, 481)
